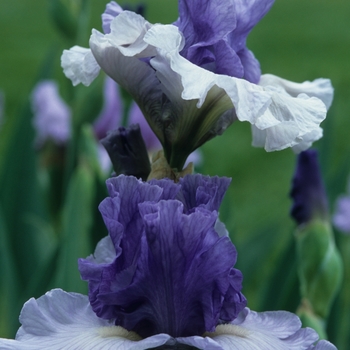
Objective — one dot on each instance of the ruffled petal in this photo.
(61, 320)
(79, 65)
(320, 88)
(280, 120)
(289, 121)
(277, 330)
(322, 345)
(171, 271)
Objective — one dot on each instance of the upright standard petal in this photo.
(172, 273)
(60, 320)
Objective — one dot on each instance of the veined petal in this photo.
(276, 330)
(281, 119)
(79, 65)
(322, 345)
(289, 121)
(133, 74)
(60, 320)
(171, 271)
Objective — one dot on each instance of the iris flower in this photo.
(193, 78)
(162, 279)
(341, 217)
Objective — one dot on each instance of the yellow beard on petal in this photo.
(116, 331)
(228, 329)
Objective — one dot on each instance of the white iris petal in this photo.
(282, 113)
(79, 65)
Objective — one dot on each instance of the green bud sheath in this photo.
(320, 266)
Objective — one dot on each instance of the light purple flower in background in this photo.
(341, 217)
(185, 104)
(52, 116)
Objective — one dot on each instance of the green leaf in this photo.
(9, 286)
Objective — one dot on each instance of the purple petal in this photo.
(248, 14)
(171, 273)
(205, 191)
(112, 10)
(216, 40)
(217, 19)
(111, 114)
(308, 191)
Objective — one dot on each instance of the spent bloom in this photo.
(163, 278)
(193, 78)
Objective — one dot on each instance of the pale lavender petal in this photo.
(52, 116)
(61, 320)
(322, 345)
(111, 115)
(341, 217)
(112, 10)
(79, 65)
(278, 330)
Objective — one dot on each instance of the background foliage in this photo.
(298, 40)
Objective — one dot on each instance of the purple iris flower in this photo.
(164, 268)
(216, 40)
(308, 192)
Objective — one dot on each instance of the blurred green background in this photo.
(298, 40)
